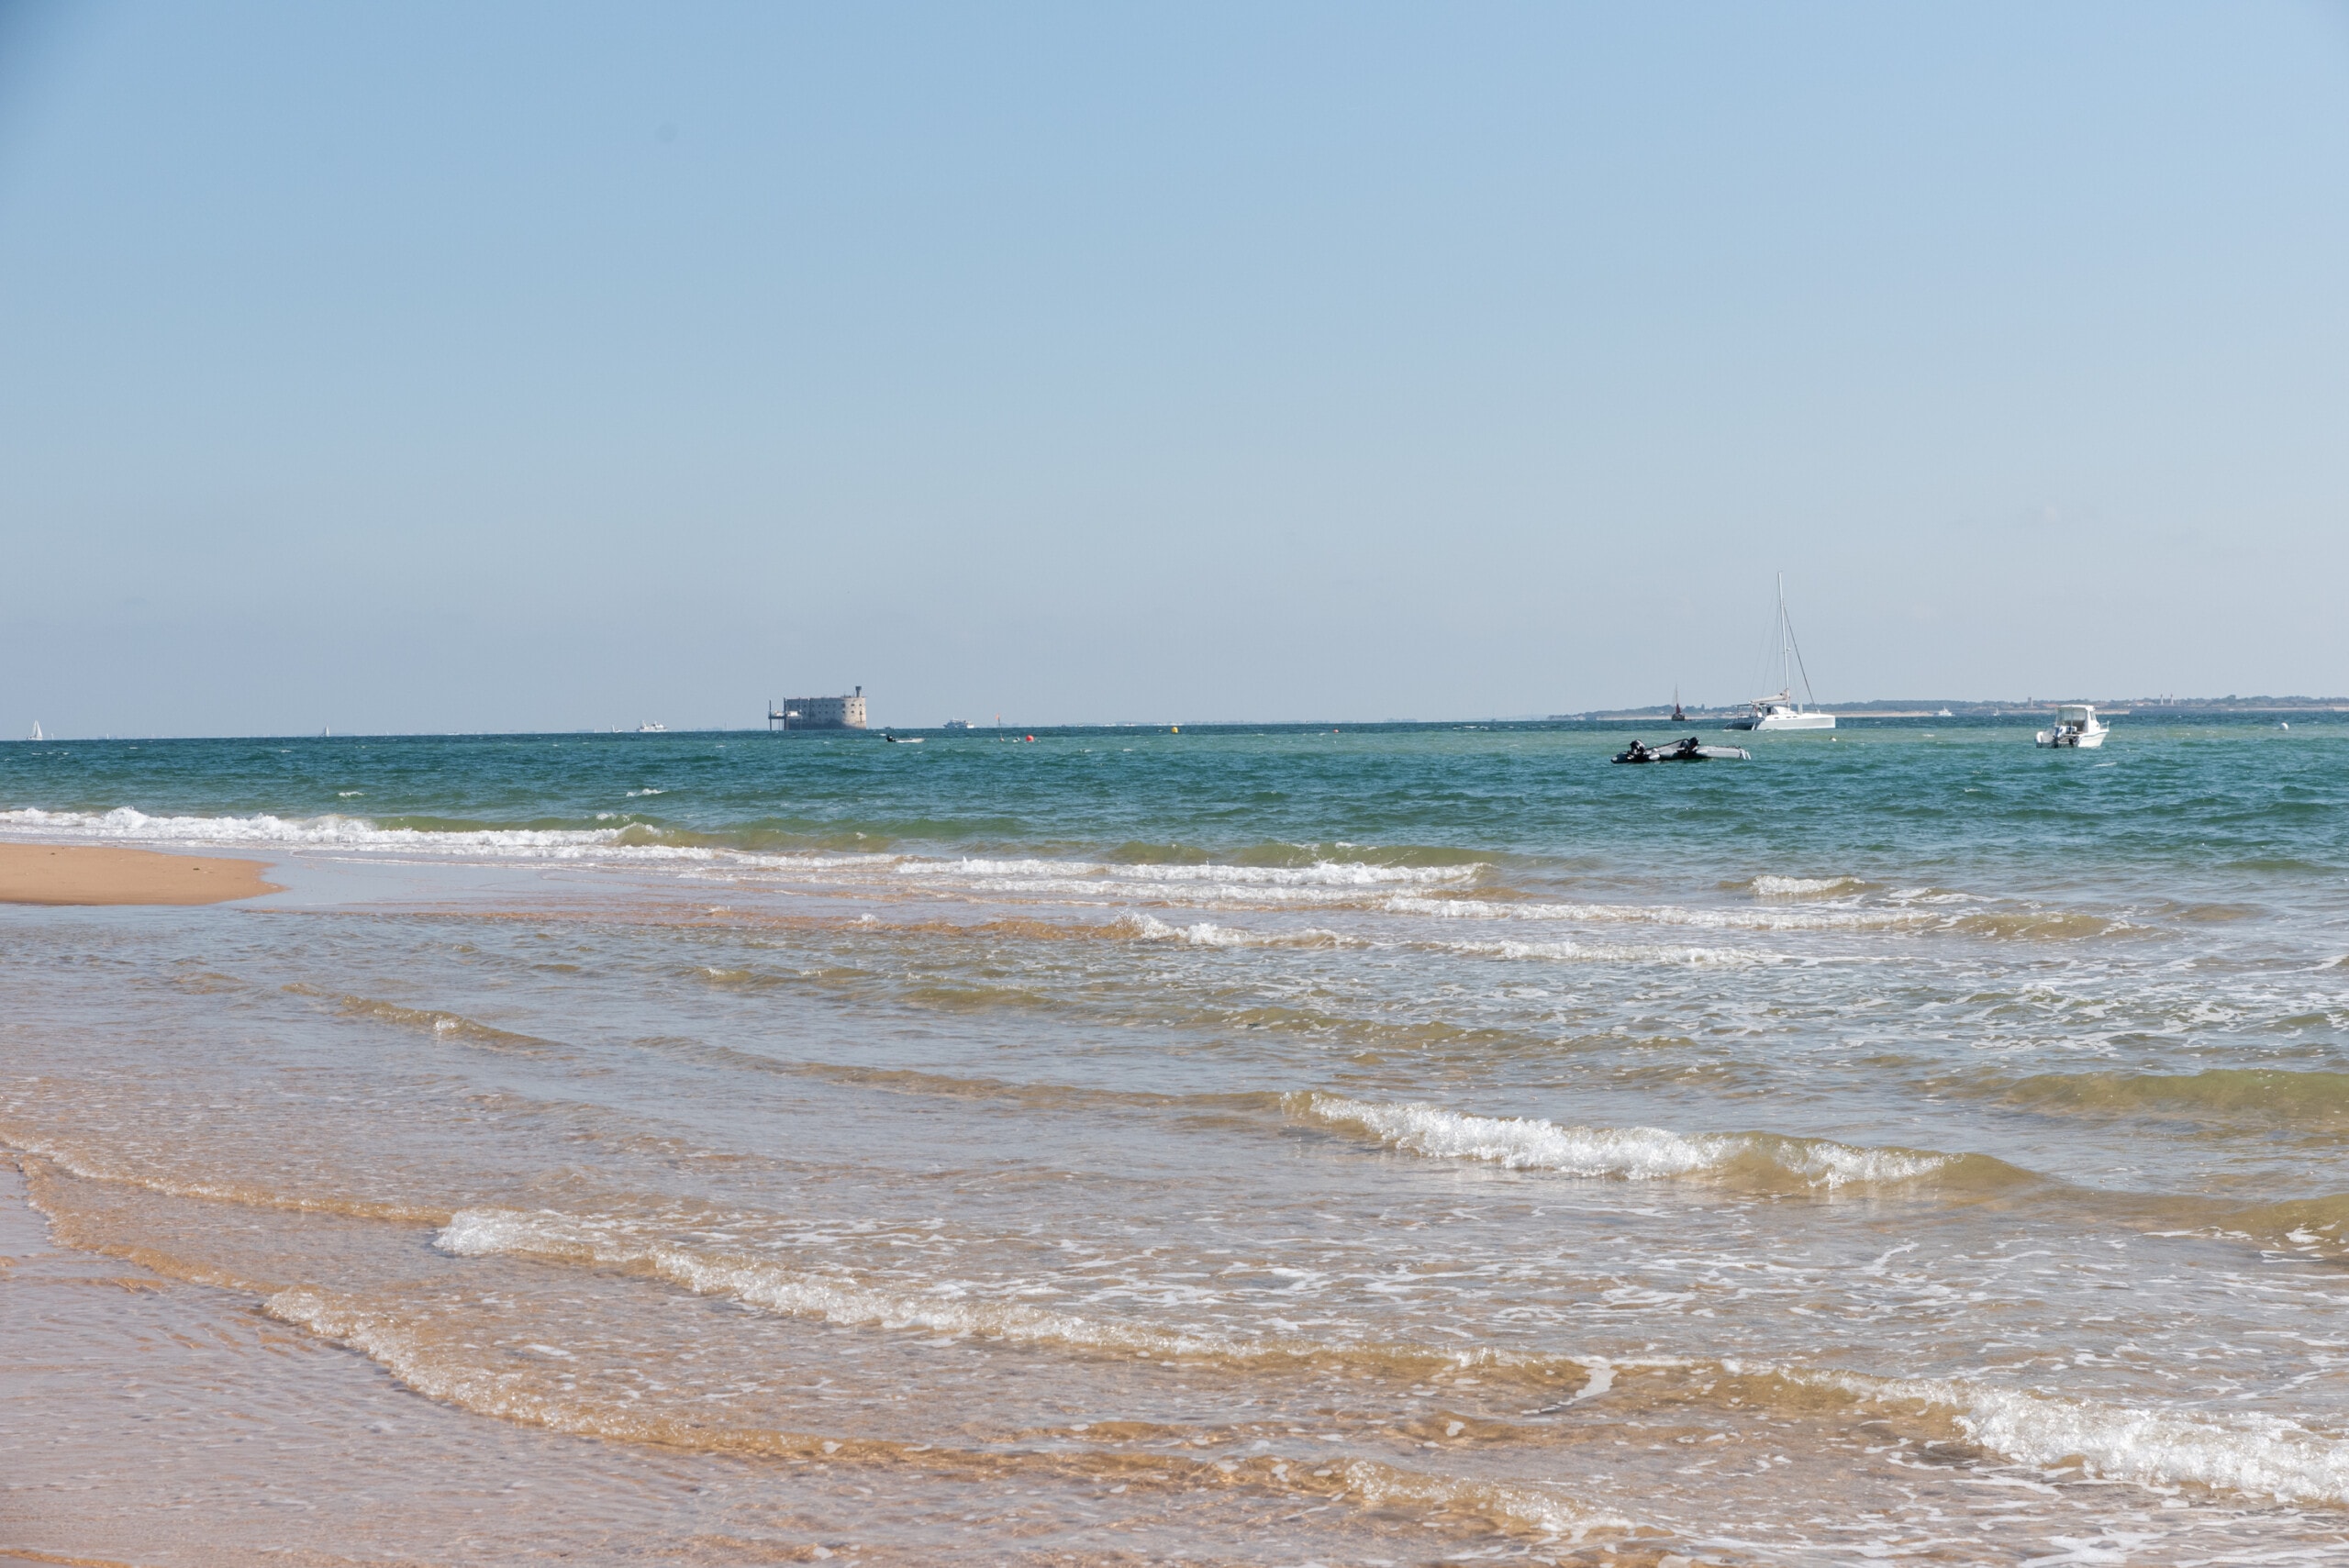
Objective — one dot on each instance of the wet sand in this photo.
(59, 873)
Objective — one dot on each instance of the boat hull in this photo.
(2060, 742)
(1786, 721)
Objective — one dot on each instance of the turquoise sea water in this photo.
(1902, 793)
(1260, 1144)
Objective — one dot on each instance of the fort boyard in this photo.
(819, 713)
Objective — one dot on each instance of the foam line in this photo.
(2240, 1451)
(2252, 1454)
(1630, 1153)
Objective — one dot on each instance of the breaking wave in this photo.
(1742, 919)
(2258, 1454)
(549, 1237)
(262, 829)
(1321, 873)
(393, 1343)
(1801, 886)
(2240, 1451)
(1615, 952)
(1206, 934)
(1761, 1159)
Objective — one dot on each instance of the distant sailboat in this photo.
(1677, 716)
(1781, 712)
(36, 735)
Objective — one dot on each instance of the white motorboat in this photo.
(2076, 726)
(1781, 711)
(652, 729)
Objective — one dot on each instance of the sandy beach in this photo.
(82, 873)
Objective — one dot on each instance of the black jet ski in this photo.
(1686, 751)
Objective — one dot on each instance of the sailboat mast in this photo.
(1785, 664)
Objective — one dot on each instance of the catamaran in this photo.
(1781, 712)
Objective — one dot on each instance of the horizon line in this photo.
(1873, 707)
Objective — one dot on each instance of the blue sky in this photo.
(528, 366)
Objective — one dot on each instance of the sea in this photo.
(1283, 1145)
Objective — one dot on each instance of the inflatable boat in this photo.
(1686, 751)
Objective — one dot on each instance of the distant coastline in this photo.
(1695, 714)
(1951, 708)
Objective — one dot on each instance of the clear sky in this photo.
(531, 366)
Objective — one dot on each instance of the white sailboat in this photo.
(1781, 712)
(36, 735)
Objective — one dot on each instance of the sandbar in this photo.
(96, 873)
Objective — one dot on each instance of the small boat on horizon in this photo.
(36, 735)
(652, 729)
(1781, 711)
(2076, 727)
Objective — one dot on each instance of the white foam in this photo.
(1800, 886)
(1207, 934)
(1742, 919)
(1630, 1153)
(2246, 1452)
(382, 1338)
(1636, 1153)
(1612, 953)
(331, 831)
(1326, 883)
(1321, 873)
(2242, 1451)
(475, 1233)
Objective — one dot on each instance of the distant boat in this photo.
(1677, 716)
(652, 729)
(956, 724)
(1781, 711)
(2076, 727)
(1944, 714)
(36, 735)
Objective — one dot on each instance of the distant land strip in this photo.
(1912, 708)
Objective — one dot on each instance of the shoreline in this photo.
(66, 875)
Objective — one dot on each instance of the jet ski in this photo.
(1686, 751)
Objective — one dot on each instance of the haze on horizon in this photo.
(547, 366)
